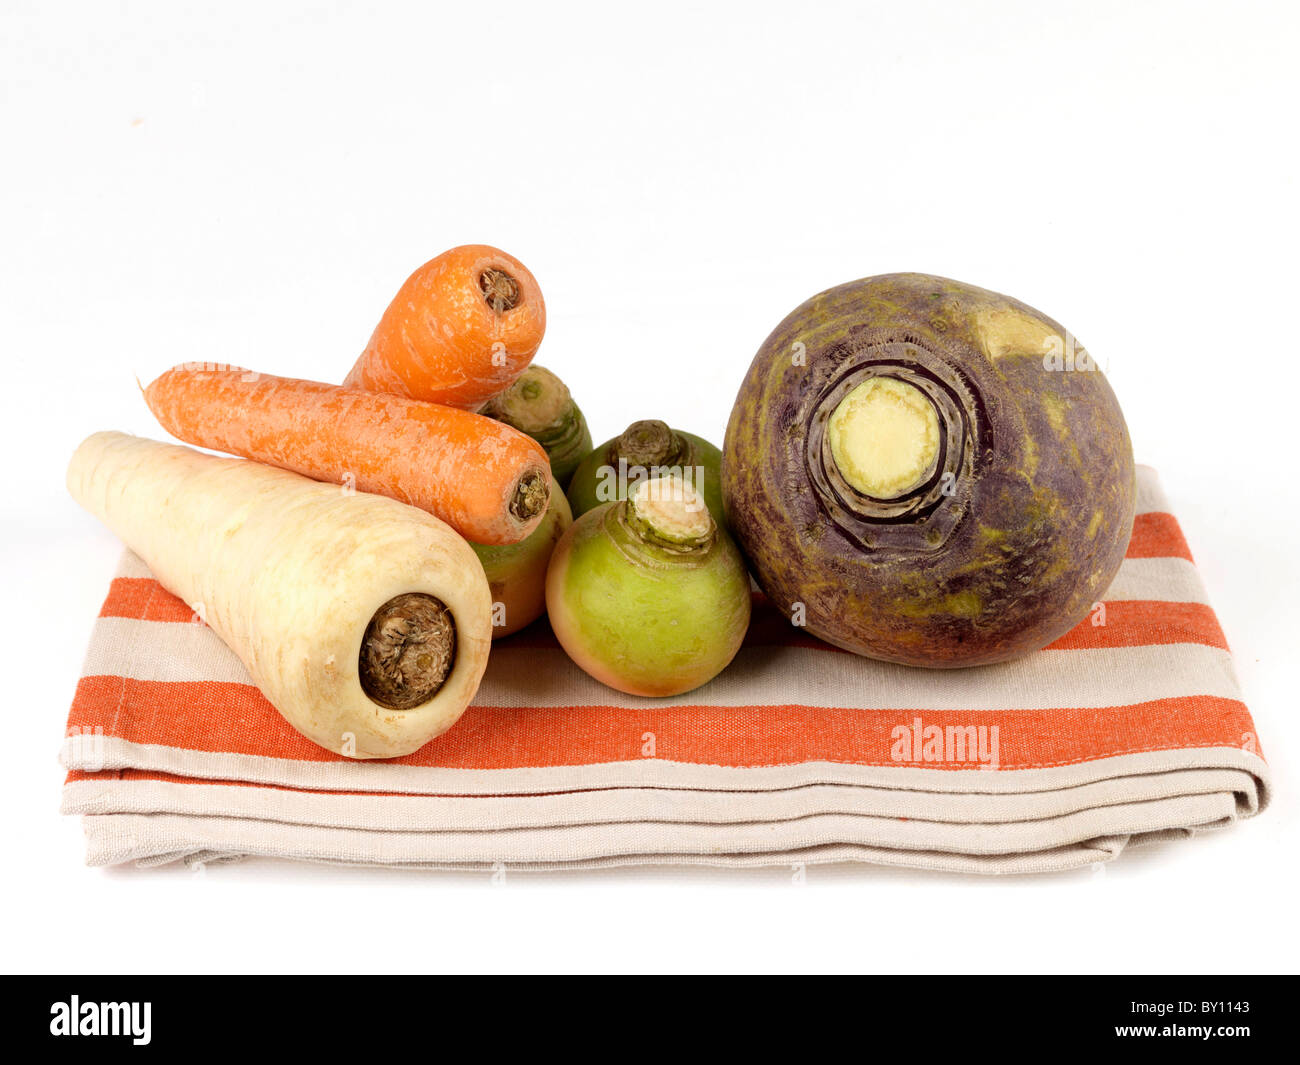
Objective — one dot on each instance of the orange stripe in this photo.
(1124, 624)
(236, 718)
(1157, 535)
(1133, 623)
(142, 598)
(1141, 623)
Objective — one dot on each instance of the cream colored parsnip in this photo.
(291, 572)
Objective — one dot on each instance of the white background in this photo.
(250, 184)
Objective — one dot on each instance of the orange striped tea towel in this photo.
(1130, 728)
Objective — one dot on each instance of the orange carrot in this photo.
(459, 331)
(487, 481)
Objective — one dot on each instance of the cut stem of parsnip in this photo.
(365, 622)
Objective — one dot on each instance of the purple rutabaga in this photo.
(929, 473)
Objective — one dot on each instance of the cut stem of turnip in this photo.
(644, 450)
(669, 512)
(647, 443)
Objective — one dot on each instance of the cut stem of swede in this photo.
(365, 622)
(884, 436)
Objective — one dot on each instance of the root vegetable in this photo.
(365, 622)
(486, 480)
(929, 473)
(460, 330)
(646, 595)
(539, 405)
(516, 573)
(644, 450)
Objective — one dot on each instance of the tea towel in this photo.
(1129, 728)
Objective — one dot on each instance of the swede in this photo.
(928, 473)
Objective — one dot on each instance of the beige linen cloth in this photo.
(1130, 728)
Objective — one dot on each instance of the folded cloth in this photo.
(1127, 729)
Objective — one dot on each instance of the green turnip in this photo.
(646, 594)
(647, 449)
(539, 405)
(516, 573)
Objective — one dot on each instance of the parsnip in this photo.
(364, 621)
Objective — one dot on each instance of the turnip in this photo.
(365, 622)
(928, 473)
(647, 449)
(516, 573)
(539, 405)
(646, 594)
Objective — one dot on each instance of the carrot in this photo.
(364, 622)
(487, 481)
(459, 331)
